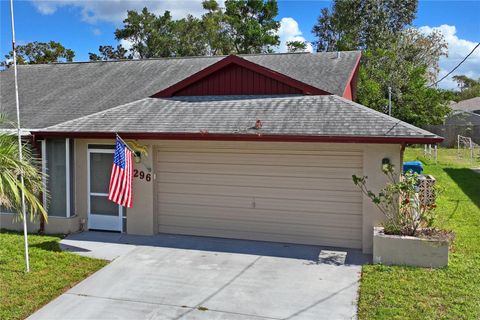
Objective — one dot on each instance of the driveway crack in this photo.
(320, 301)
(125, 300)
(201, 303)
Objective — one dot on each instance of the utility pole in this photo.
(390, 101)
(19, 134)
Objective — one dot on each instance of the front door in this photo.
(103, 214)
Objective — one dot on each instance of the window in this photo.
(58, 164)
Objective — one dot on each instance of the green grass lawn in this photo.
(51, 273)
(447, 293)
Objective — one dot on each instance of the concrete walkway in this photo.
(185, 277)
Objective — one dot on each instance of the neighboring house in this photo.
(210, 170)
(463, 120)
(469, 105)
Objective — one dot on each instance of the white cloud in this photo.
(457, 50)
(115, 11)
(96, 31)
(126, 43)
(290, 31)
(46, 7)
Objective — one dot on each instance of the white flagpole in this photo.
(126, 145)
(20, 155)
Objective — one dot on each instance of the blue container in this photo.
(415, 166)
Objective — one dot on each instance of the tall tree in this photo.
(394, 55)
(39, 53)
(110, 53)
(362, 24)
(465, 83)
(216, 29)
(422, 49)
(190, 37)
(243, 26)
(469, 88)
(251, 25)
(296, 46)
(413, 101)
(150, 35)
(407, 66)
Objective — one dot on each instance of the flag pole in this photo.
(20, 155)
(126, 145)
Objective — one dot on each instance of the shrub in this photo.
(399, 201)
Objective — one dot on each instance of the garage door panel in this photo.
(202, 200)
(300, 196)
(263, 192)
(251, 158)
(260, 150)
(307, 239)
(260, 203)
(259, 169)
(332, 184)
(252, 228)
(260, 215)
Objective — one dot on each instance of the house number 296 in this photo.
(142, 175)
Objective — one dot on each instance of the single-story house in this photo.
(464, 120)
(258, 147)
(469, 105)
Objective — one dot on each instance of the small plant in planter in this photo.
(408, 236)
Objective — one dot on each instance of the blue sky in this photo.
(84, 25)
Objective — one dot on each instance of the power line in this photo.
(458, 65)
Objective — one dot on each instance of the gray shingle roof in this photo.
(470, 105)
(54, 93)
(289, 115)
(463, 118)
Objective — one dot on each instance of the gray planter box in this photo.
(409, 251)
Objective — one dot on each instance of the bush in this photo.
(400, 203)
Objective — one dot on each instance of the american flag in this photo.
(120, 190)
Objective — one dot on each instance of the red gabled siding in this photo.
(236, 80)
(235, 75)
(350, 91)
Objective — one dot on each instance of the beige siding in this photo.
(260, 191)
(373, 157)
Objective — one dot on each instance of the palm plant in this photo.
(11, 168)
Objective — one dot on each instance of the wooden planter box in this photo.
(409, 251)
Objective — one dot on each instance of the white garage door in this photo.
(274, 195)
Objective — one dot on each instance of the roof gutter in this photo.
(240, 137)
(23, 132)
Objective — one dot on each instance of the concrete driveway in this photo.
(185, 277)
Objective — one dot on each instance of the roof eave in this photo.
(242, 137)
